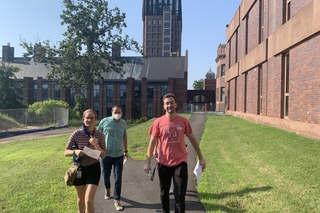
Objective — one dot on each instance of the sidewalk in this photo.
(139, 193)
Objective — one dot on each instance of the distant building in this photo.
(209, 83)
(162, 27)
(273, 66)
(221, 72)
(139, 91)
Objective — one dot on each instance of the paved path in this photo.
(139, 194)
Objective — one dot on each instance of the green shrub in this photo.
(44, 111)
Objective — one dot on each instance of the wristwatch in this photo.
(125, 151)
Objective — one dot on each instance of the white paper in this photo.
(91, 152)
(198, 172)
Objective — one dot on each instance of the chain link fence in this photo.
(196, 107)
(24, 119)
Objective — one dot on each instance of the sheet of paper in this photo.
(198, 172)
(91, 152)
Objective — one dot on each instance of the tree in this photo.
(86, 52)
(198, 85)
(80, 105)
(10, 91)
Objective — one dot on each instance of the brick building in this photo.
(139, 90)
(220, 82)
(273, 64)
(162, 27)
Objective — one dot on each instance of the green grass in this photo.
(250, 168)
(256, 168)
(32, 177)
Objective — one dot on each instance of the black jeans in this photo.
(180, 180)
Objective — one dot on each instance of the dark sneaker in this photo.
(118, 205)
(107, 194)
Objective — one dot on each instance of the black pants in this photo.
(180, 180)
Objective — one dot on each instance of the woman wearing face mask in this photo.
(115, 131)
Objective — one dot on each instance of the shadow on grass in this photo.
(241, 192)
(233, 205)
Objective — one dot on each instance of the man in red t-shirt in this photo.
(167, 132)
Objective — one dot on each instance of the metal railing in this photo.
(23, 119)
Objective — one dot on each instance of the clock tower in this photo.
(162, 28)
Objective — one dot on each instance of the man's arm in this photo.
(125, 145)
(195, 144)
(152, 145)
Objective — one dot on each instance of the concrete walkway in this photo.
(139, 193)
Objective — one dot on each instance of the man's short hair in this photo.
(169, 95)
(116, 106)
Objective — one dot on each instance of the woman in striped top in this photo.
(88, 174)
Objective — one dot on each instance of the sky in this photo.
(203, 27)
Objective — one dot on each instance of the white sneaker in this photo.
(107, 194)
(118, 205)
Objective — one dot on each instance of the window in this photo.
(153, 43)
(160, 21)
(164, 89)
(235, 93)
(109, 99)
(148, 28)
(109, 91)
(159, 50)
(96, 95)
(260, 80)
(229, 53)
(261, 20)
(123, 89)
(150, 108)
(154, 29)
(222, 97)
(246, 36)
(153, 36)
(159, 36)
(166, 32)
(223, 69)
(35, 87)
(285, 85)
(154, 21)
(148, 36)
(159, 43)
(44, 91)
(159, 28)
(286, 10)
(137, 92)
(72, 97)
(245, 91)
(83, 91)
(148, 43)
(148, 21)
(57, 92)
(150, 92)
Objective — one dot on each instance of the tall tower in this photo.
(162, 27)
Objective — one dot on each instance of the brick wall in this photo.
(304, 88)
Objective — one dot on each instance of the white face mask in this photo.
(117, 116)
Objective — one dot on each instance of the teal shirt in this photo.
(114, 133)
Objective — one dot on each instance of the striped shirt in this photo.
(83, 140)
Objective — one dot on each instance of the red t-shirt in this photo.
(170, 135)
